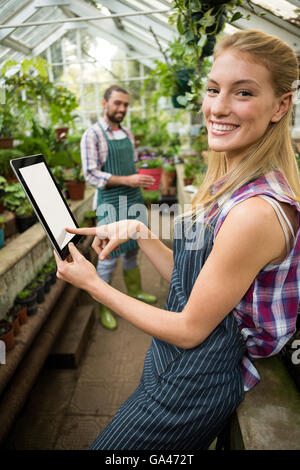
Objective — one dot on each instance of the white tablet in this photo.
(47, 201)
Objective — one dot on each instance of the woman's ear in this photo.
(282, 107)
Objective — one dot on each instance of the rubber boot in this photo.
(132, 279)
(107, 319)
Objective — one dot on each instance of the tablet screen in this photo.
(49, 201)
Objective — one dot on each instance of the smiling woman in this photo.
(235, 271)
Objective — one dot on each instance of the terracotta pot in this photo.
(187, 181)
(76, 189)
(6, 142)
(156, 173)
(22, 314)
(16, 324)
(8, 336)
(168, 181)
(61, 133)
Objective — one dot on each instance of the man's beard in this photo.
(113, 118)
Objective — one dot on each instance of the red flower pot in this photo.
(156, 173)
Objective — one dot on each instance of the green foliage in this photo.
(187, 62)
(77, 174)
(150, 163)
(27, 88)
(14, 196)
(2, 220)
(24, 209)
(5, 156)
(151, 197)
(34, 146)
(24, 294)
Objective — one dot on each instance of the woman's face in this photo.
(238, 106)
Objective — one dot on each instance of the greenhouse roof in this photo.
(28, 28)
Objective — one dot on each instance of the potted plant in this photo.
(8, 126)
(21, 311)
(151, 165)
(189, 174)
(7, 334)
(28, 298)
(1, 231)
(151, 197)
(13, 318)
(25, 216)
(50, 269)
(61, 108)
(168, 178)
(37, 286)
(90, 219)
(3, 184)
(5, 169)
(76, 185)
(46, 279)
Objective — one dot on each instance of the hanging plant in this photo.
(187, 60)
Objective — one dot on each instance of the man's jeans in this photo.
(105, 268)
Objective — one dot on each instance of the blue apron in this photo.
(185, 396)
(113, 204)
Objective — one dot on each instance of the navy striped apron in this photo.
(185, 396)
(114, 203)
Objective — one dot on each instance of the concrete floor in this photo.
(68, 408)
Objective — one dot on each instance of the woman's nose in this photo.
(220, 105)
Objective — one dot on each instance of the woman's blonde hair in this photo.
(274, 149)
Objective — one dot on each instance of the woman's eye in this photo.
(212, 90)
(245, 93)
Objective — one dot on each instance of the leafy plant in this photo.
(24, 209)
(77, 174)
(169, 167)
(5, 156)
(14, 196)
(62, 103)
(2, 220)
(34, 146)
(187, 58)
(24, 294)
(150, 162)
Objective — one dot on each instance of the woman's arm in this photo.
(108, 237)
(249, 238)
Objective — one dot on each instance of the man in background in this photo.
(108, 162)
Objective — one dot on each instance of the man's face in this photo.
(116, 106)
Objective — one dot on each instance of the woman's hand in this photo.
(76, 269)
(109, 237)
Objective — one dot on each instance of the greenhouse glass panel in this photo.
(281, 8)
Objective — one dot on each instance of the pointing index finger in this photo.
(82, 231)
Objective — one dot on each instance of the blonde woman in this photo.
(234, 288)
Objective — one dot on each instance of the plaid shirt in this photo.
(94, 152)
(267, 313)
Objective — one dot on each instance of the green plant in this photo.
(5, 156)
(150, 162)
(24, 294)
(2, 220)
(8, 122)
(34, 146)
(61, 106)
(169, 167)
(77, 174)
(24, 209)
(186, 60)
(151, 196)
(14, 196)
(189, 170)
